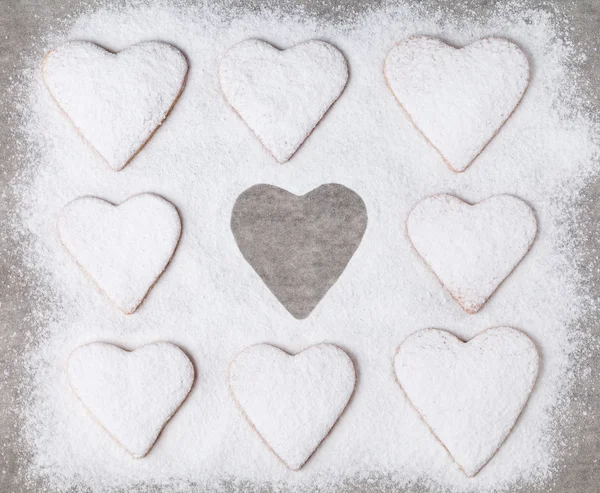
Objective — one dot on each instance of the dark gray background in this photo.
(21, 21)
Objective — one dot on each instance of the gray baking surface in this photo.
(319, 231)
(21, 21)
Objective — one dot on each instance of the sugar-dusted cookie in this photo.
(131, 394)
(116, 101)
(457, 98)
(299, 245)
(469, 394)
(471, 248)
(123, 248)
(282, 95)
(292, 401)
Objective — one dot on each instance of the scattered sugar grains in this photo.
(210, 302)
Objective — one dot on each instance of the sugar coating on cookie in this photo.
(469, 394)
(471, 248)
(123, 248)
(282, 94)
(131, 394)
(458, 98)
(292, 401)
(116, 101)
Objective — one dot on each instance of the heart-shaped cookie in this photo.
(116, 101)
(469, 394)
(457, 98)
(282, 95)
(292, 401)
(131, 394)
(124, 248)
(298, 245)
(471, 248)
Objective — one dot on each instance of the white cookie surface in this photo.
(282, 94)
(469, 394)
(458, 98)
(131, 394)
(123, 248)
(292, 401)
(116, 101)
(471, 248)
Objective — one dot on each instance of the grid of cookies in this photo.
(281, 96)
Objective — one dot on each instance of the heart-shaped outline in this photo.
(466, 342)
(100, 49)
(126, 353)
(302, 312)
(89, 275)
(465, 306)
(269, 46)
(464, 48)
(290, 355)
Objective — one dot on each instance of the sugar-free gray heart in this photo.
(299, 245)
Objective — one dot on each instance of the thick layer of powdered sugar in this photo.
(282, 95)
(116, 101)
(471, 248)
(131, 394)
(470, 394)
(212, 304)
(292, 401)
(458, 98)
(124, 249)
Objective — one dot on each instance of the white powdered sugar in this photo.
(212, 305)
(458, 98)
(471, 248)
(116, 101)
(292, 401)
(131, 394)
(469, 394)
(282, 95)
(124, 248)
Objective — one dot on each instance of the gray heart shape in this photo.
(298, 245)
